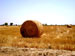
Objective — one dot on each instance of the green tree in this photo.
(6, 24)
(11, 24)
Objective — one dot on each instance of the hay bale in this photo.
(69, 26)
(31, 28)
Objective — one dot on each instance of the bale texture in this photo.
(69, 26)
(31, 28)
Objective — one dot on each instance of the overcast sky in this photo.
(45, 11)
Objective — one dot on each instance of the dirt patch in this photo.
(13, 51)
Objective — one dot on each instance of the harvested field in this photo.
(11, 51)
(54, 37)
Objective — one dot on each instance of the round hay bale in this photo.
(31, 28)
(69, 26)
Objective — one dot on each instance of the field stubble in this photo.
(54, 37)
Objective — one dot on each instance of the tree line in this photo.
(11, 24)
(6, 24)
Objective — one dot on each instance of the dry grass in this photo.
(55, 37)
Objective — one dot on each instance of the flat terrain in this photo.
(11, 51)
(54, 37)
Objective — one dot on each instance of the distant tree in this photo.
(2, 25)
(11, 24)
(16, 24)
(6, 24)
(45, 24)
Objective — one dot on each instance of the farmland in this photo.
(53, 37)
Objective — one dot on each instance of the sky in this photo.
(45, 11)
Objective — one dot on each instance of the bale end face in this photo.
(31, 28)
